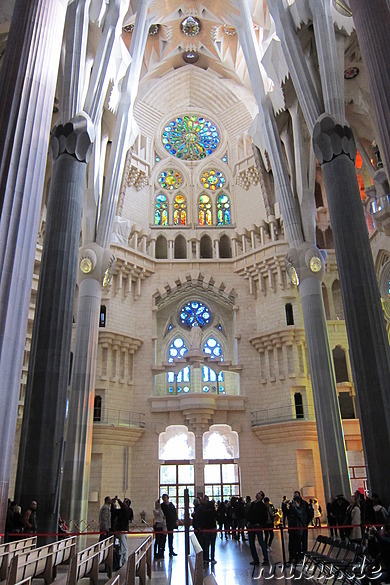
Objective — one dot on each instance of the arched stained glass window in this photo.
(190, 137)
(223, 210)
(180, 210)
(205, 211)
(177, 349)
(213, 348)
(213, 180)
(161, 210)
(195, 311)
(213, 382)
(178, 383)
(170, 179)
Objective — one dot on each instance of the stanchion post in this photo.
(186, 530)
(283, 549)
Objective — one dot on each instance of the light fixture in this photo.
(86, 265)
(292, 274)
(88, 260)
(315, 264)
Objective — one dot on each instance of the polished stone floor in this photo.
(232, 566)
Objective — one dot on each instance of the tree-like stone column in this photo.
(372, 22)
(28, 78)
(42, 440)
(369, 348)
(330, 436)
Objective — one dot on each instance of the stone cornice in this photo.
(110, 338)
(278, 338)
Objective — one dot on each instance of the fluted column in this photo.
(330, 435)
(372, 23)
(370, 355)
(335, 475)
(42, 438)
(28, 78)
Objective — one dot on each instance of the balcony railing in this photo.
(282, 414)
(118, 418)
(381, 203)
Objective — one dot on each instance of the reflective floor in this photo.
(232, 567)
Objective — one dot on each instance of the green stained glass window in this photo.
(213, 180)
(205, 211)
(180, 210)
(190, 137)
(161, 210)
(170, 180)
(223, 210)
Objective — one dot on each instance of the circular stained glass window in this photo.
(195, 311)
(190, 26)
(170, 179)
(190, 138)
(213, 180)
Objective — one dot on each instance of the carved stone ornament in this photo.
(331, 139)
(74, 138)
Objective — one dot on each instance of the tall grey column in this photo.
(80, 416)
(79, 433)
(330, 436)
(335, 149)
(27, 84)
(42, 438)
(306, 260)
(372, 23)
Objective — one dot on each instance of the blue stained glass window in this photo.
(190, 137)
(213, 348)
(195, 311)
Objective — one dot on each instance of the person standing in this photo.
(284, 508)
(160, 529)
(317, 513)
(170, 514)
(299, 517)
(269, 533)
(105, 518)
(208, 521)
(30, 518)
(121, 524)
(257, 520)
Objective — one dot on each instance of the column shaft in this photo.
(75, 485)
(367, 337)
(330, 436)
(27, 84)
(372, 22)
(42, 439)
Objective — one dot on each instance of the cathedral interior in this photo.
(195, 253)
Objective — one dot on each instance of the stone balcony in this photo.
(381, 214)
(118, 427)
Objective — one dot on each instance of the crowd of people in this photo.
(239, 519)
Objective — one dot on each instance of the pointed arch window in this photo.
(205, 210)
(180, 210)
(161, 210)
(213, 382)
(178, 383)
(223, 209)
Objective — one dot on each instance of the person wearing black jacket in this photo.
(170, 514)
(256, 521)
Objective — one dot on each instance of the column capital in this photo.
(306, 261)
(331, 139)
(75, 138)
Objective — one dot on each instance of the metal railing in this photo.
(282, 414)
(118, 418)
(380, 204)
